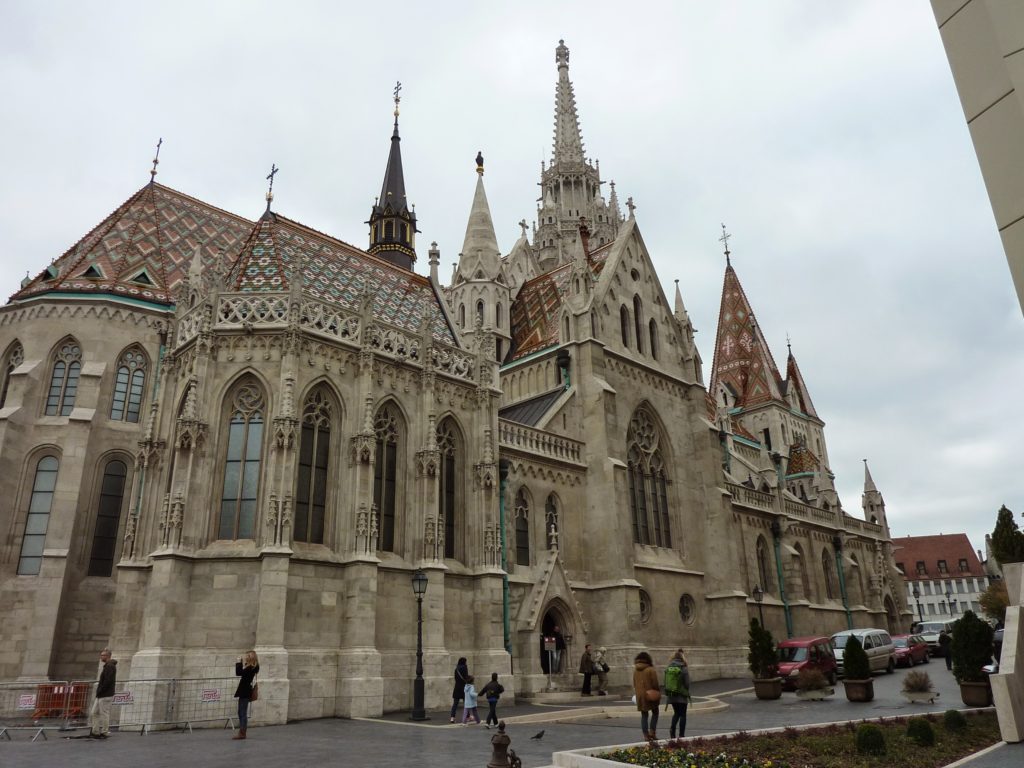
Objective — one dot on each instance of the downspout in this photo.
(777, 538)
(149, 437)
(503, 467)
(562, 360)
(837, 544)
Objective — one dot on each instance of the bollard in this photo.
(499, 748)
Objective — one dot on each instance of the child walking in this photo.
(492, 692)
(470, 702)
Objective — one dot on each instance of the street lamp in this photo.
(758, 595)
(419, 586)
(950, 600)
(917, 599)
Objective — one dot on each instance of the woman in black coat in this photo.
(246, 668)
(459, 691)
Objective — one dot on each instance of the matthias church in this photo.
(220, 433)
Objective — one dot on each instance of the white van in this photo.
(930, 630)
(877, 645)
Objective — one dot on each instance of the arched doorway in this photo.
(891, 618)
(557, 623)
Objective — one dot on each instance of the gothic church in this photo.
(218, 433)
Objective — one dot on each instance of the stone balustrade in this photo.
(519, 437)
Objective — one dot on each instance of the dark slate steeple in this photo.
(392, 222)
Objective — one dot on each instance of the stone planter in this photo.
(976, 694)
(768, 689)
(816, 694)
(920, 697)
(859, 690)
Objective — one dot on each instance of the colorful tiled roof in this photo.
(742, 358)
(801, 459)
(335, 271)
(908, 551)
(535, 310)
(143, 249)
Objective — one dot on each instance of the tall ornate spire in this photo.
(480, 247)
(568, 141)
(392, 221)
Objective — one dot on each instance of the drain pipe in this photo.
(777, 537)
(562, 360)
(837, 544)
(503, 467)
(153, 404)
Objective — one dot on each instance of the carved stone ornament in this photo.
(486, 475)
(285, 429)
(191, 434)
(427, 463)
(363, 447)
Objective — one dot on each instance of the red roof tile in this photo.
(929, 550)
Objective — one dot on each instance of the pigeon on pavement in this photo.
(537, 737)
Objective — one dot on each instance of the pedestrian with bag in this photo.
(648, 693)
(587, 669)
(246, 668)
(677, 692)
(459, 690)
(492, 692)
(99, 717)
(601, 670)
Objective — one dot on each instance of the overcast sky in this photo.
(828, 137)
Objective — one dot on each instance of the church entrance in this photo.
(556, 625)
(891, 618)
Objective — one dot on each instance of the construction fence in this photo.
(138, 705)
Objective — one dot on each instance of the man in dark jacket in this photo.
(99, 718)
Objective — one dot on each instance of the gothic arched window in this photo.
(624, 325)
(448, 444)
(15, 356)
(764, 568)
(38, 518)
(67, 366)
(129, 383)
(653, 328)
(497, 315)
(462, 315)
(313, 468)
(800, 562)
(638, 322)
(551, 522)
(480, 312)
(829, 575)
(386, 471)
(238, 504)
(648, 481)
(108, 518)
(521, 515)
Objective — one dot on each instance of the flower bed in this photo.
(831, 746)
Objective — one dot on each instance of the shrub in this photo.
(762, 658)
(917, 682)
(920, 730)
(870, 740)
(954, 721)
(971, 648)
(809, 679)
(995, 600)
(855, 661)
(1007, 540)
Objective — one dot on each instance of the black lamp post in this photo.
(917, 599)
(758, 594)
(950, 600)
(419, 586)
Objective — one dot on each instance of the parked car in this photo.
(930, 630)
(877, 645)
(910, 650)
(799, 653)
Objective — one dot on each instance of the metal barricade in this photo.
(33, 706)
(205, 700)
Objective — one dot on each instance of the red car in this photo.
(910, 650)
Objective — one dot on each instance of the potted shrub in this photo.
(764, 662)
(857, 672)
(812, 685)
(972, 650)
(918, 688)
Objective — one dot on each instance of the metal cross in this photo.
(156, 161)
(725, 239)
(270, 177)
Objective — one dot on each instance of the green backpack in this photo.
(674, 681)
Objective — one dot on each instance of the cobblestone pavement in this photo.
(394, 741)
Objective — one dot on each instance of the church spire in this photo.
(480, 247)
(869, 482)
(392, 222)
(568, 141)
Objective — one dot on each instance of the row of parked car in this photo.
(825, 654)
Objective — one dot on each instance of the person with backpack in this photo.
(677, 691)
(492, 692)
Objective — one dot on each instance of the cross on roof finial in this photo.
(725, 239)
(524, 226)
(631, 205)
(398, 89)
(156, 161)
(270, 190)
(789, 344)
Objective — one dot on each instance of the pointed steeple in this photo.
(480, 247)
(392, 221)
(795, 383)
(742, 359)
(872, 502)
(869, 483)
(568, 141)
(682, 316)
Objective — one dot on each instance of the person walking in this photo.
(946, 646)
(470, 694)
(459, 690)
(648, 693)
(492, 692)
(99, 716)
(677, 690)
(587, 668)
(246, 668)
(601, 670)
